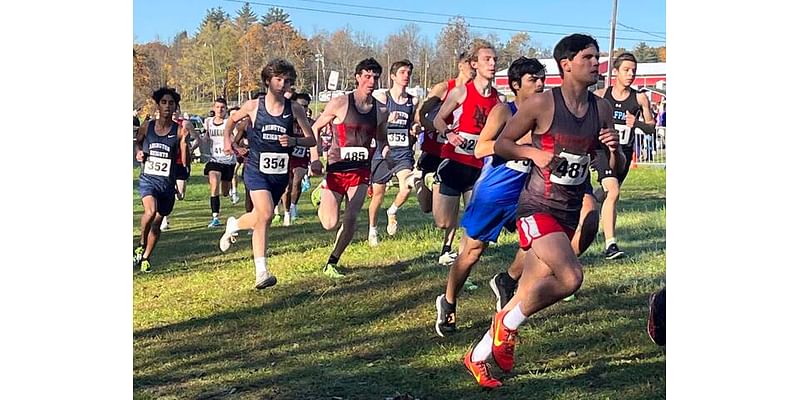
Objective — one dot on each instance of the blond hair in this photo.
(478, 45)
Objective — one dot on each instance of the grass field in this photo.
(202, 331)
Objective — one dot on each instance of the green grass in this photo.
(202, 331)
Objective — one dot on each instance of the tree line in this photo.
(224, 57)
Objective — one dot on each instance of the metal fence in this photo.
(651, 149)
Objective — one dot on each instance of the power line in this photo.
(416, 12)
(427, 22)
(641, 31)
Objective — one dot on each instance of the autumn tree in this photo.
(452, 40)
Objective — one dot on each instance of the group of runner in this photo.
(521, 165)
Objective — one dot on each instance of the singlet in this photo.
(501, 181)
(432, 142)
(571, 139)
(475, 109)
(350, 142)
(401, 116)
(215, 133)
(265, 151)
(631, 105)
(161, 155)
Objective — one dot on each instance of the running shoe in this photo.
(164, 224)
(469, 285)
(316, 195)
(331, 272)
(265, 279)
(613, 252)
(448, 258)
(137, 255)
(445, 317)
(229, 237)
(287, 219)
(214, 223)
(503, 342)
(145, 266)
(234, 198)
(372, 238)
(391, 226)
(480, 372)
(503, 287)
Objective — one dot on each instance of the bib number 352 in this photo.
(572, 170)
(157, 166)
(274, 163)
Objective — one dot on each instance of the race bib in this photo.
(157, 166)
(467, 147)
(624, 132)
(572, 170)
(521, 166)
(354, 153)
(218, 150)
(397, 137)
(274, 163)
(299, 151)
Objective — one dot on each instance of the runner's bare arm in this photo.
(328, 115)
(649, 124)
(609, 136)
(183, 134)
(525, 120)
(434, 98)
(454, 99)
(308, 139)
(494, 124)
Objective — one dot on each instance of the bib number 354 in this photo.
(274, 163)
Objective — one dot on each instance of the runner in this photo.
(426, 187)
(220, 167)
(494, 200)
(459, 168)
(628, 105)
(358, 121)
(183, 165)
(567, 123)
(271, 139)
(158, 147)
(298, 167)
(399, 160)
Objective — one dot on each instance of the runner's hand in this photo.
(610, 138)
(284, 140)
(454, 139)
(542, 159)
(139, 155)
(630, 119)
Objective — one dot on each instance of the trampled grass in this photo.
(202, 331)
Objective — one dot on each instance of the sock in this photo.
(333, 260)
(286, 215)
(214, 215)
(261, 264)
(445, 249)
(611, 241)
(214, 200)
(293, 209)
(373, 229)
(514, 318)
(484, 348)
(233, 191)
(392, 210)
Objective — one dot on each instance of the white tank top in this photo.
(215, 132)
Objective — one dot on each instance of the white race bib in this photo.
(624, 133)
(467, 147)
(521, 166)
(218, 149)
(157, 166)
(354, 153)
(274, 163)
(572, 170)
(397, 137)
(299, 152)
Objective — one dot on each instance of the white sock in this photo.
(261, 264)
(373, 229)
(392, 210)
(286, 214)
(293, 208)
(484, 348)
(611, 241)
(514, 318)
(233, 191)
(214, 215)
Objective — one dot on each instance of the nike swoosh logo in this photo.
(474, 373)
(170, 136)
(287, 115)
(497, 335)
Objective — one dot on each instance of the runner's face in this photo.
(532, 84)
(278, 85)
(166, 106)
(626, 73)
(402, 76)
(220, 110)
(486, 62)
(584, 66)
(366, 80)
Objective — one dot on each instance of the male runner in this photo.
(183, 165)
(298, 167)
(628, 106)
(567, 123)
(459, 168)
(357, 120)
(158, 147)
(427, 188)
(494, 200)
(399, 161)
(220, 167)
(271, 139)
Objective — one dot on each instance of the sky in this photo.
(547, 21)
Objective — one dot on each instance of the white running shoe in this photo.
(391, 226)
(373, 238)
(448, 259)
(164, 224)
(287, 219)
(234, 198)
(229, 237)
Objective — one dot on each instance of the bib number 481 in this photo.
(572, 170)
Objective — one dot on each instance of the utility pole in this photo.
(611, 46)
(317, 60)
